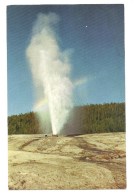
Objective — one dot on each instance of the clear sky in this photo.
(95, 36)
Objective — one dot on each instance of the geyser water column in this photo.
(50, 68)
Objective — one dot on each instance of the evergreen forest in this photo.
(96, 118)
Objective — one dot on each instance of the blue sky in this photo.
(95, 36)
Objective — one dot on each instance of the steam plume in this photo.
(50, 69)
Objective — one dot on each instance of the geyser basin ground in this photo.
(94, 161)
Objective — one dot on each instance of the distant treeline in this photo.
(97, 118)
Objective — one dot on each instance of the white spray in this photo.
(50, 69)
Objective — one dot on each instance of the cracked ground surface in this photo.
(91, 161)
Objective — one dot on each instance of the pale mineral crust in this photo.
(91, 161)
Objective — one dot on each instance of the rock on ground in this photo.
(91, 161)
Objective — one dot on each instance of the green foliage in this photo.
(23, 124)
(83, 119)
(96, 119)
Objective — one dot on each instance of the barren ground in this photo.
(93, 161)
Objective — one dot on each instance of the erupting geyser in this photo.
(50, 69)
